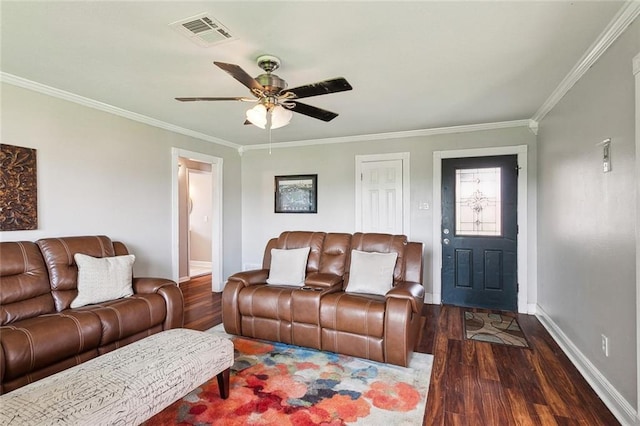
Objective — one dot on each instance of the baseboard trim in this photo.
(183, 279)
(428, 298)
(619, 406)
(200, 263)
(531, 308)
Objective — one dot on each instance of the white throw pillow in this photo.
(371, 272)
(288, 267)
(103, 279)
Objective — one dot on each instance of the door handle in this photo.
(446, 241)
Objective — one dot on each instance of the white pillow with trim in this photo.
(371, 272)
(101, 279)
(288, 267)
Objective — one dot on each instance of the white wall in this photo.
(586, 218)
(335, 166)
(99, 173)
(200, 217)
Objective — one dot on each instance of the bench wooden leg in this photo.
(223, 383)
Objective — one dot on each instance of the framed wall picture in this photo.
(296, 194)
(18, 188)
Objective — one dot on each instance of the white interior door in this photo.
(382, 196)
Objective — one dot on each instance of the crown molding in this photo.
(392, 135)
(625, 16)
(91, 103)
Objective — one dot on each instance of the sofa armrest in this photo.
(246, 278)
(231, 318)
(172, 295)
(413, 292)
(323, 280)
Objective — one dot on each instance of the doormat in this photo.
(493, 328)
(279, 384)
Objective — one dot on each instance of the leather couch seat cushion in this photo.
(361, 315)
(125, 317)
(36, 343)
(24, 288)
(267, 301)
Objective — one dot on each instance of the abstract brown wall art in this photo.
(18, 188)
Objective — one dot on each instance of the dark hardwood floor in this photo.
(473, 383)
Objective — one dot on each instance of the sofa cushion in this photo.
(371, 273)
(301, 239)
(63, 273)
(126, 317)
(25, 291)
(288, 267)
(103, 279)
(37, 343)
(335, 252)
(382, 243)
(353, 313)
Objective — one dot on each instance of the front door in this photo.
(479, 232)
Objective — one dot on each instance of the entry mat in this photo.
(494, 328)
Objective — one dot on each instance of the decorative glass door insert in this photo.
(478, 202)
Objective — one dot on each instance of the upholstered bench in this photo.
(126, 386)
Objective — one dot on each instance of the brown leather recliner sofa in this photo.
(320, 314)
(41, 335)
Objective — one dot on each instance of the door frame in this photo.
(216, 211)
(406, 196)
(436, 260)
(636, 73)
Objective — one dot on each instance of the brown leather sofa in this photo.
(41, 335)
(321, 314)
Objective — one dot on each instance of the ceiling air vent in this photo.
(203, 30)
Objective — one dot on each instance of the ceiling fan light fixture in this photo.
(258, 116)
(280, 116)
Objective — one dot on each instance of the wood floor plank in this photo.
(486, 361)
(496, 410)
(472, 395)
(545, 415)
(454, 401)
(518, 406)
(472, 383)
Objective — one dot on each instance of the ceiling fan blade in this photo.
(241, 75)
(320, 88)
(314, 112)
(215, 99)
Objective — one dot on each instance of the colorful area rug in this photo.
(279, 384)
(494, 328)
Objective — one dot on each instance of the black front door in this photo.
(479, 232)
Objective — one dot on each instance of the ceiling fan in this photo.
(275, 101)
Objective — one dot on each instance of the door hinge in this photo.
(518, 169)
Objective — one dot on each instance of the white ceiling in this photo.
(413, 65)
